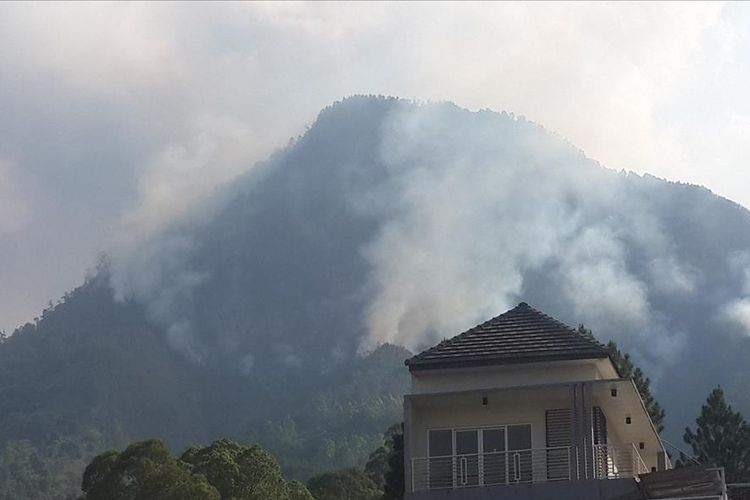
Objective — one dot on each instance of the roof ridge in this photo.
(449, 341)
(520, 333)
(572, 330)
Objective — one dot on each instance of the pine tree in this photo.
(722, 437)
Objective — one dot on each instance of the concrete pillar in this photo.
(661, 461)
(408, 446)
(586, 429)
(575, 458)
(581, 433)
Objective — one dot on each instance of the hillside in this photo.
(386, 223)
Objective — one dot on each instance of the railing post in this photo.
(412, 476)
(507, 467)
(480, 469)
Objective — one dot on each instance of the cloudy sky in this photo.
(116, 117)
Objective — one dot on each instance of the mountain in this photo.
(272, 312)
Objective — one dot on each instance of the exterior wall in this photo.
(505, 407)
(467, 411)
(620, 489)
(496, 377)
(521, 394)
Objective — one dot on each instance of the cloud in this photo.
(13, 209)
(184, 176)
(123, 115)
(737, 310)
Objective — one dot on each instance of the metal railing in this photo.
(562, 463)
(738, 491)
(615, 462)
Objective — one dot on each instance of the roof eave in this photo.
(418, 365)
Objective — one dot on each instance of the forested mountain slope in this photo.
(387, 222)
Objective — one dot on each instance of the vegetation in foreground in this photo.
(226, 470)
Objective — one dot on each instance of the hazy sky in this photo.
(115, 117)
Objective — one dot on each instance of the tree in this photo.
(145, 470)
(378, 465)
(721, 437)
(346, 484)
(628, 370)
(225, 470)
(238, 472)
(298, 491)
(386, 464)
(394, 478)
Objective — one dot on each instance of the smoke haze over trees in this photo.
(386, 222)
(401, 223)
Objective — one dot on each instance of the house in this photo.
(524, 407)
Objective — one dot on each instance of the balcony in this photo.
(528, 466)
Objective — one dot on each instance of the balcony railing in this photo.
(525, 466)
(613, 462)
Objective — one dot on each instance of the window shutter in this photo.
(559, 459)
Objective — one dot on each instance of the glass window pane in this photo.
(440, 471)
(493, 440)
(495, 457)
(467, 449)
(466, 442)
(441, 443)
(519, 437)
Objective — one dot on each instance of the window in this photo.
(485, 456)
(441, 459)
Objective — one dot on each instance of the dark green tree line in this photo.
(225, 470)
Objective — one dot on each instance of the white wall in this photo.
(495, 377)
(467, 411)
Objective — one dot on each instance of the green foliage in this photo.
(334, 429)
(238, 472)
(381, 479)
(298, 491)
(347, 484)
(225, 470)
(386, 464)
(721, 437)
(642, 383)
(50, 472)
(145, 470)
(394, 478)
(93, 374)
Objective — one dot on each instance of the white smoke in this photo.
(472, 210)
(158, 276)
(737, 310)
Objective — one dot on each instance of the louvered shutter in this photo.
(558, 444)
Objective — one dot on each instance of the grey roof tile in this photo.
(521, 335)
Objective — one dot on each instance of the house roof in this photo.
(692, 481)
(521, 335)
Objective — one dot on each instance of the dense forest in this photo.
(272, 312)
(114, 379)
